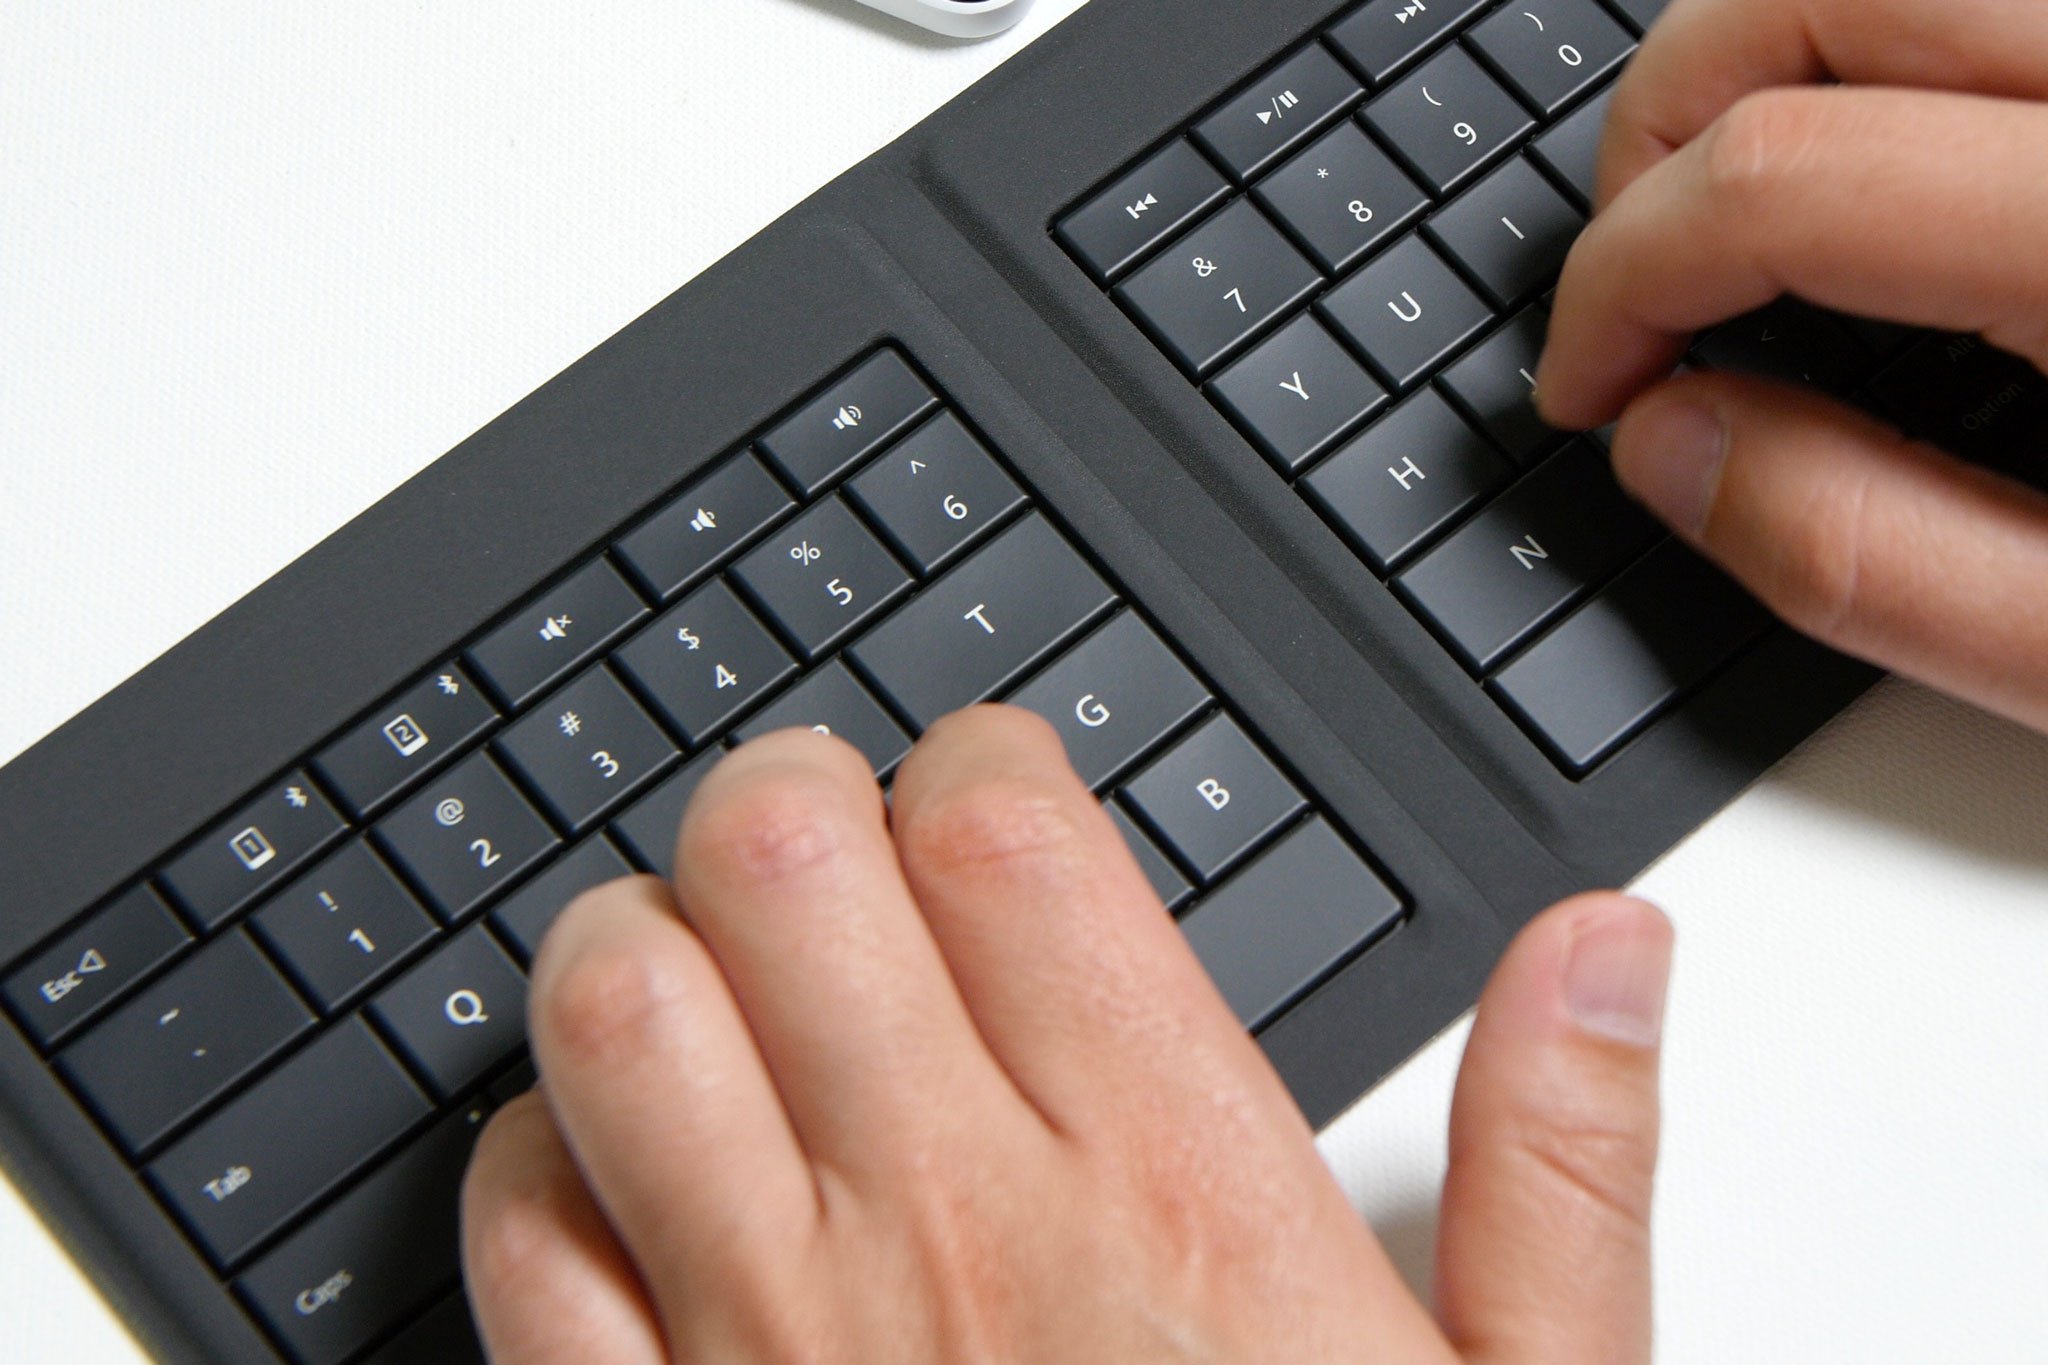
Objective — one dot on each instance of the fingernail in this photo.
(1616, 977)
(1676, 453)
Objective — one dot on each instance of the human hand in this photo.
(1910, 192)
(944, 1083)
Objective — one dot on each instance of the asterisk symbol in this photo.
(1323, 173)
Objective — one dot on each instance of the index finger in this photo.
(1704, 56)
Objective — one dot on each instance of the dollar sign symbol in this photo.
(690, 641)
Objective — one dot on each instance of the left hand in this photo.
(945, 1083)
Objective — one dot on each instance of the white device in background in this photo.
(956, 18)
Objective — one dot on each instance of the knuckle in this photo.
(1609, 1166)
(768, 825)
(602, 1000)
(508, 1223)
(1755, 151)
(1001, 827)
(1817, 576)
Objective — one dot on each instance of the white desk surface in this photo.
(259, 263)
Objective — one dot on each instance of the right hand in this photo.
(1910, 191)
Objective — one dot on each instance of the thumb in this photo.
(1862, 539)
(1544, 1247)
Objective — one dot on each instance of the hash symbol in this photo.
(571, 723)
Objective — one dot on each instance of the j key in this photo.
(1571, 150)
(1641, 13)
(525, 916)
(1218, 286)
(1296, 393)
(1288, 920)
(424, 727)
(1173, 887)
(158, 1059)
(587, 749)
(832, 702)
(852, 419)
(985, 624)
(1405, 480)
(444, 1336)
(1342, 197)
(707, 522)
(648, 828)
(704, 662)
(72, 980)
(1161, 196)
(1113, 696)
(547, 638)
(341, 926)
(1551, 50)
(1407, 311)
(1791, 342)
(1968, 396)
(936, 493)
(458, 1014)
(1511, 232)
(822, 577)
(465, 836)
(302, 1130)
(1214, 797)
(1496, 384)
(1548, 542)
(1278, 111)
(251, 851)
(1448, 119)
(1628, 655)
(1386, 35)
(382, 1252)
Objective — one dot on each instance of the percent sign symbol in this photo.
(806, 553)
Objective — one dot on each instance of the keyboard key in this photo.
(1405, 480)
(1552, 50)
(1965, 395)
(1641, 13)
(551, 635)
(831, 701)
(1218, 286)
(1384, 36)
(705, 662)
(382, 1252)
(1160, 196)
(524, 917)
(1288, 921)
(985, 624)
(936, 493)
(468, 834)
(458, 1014)
(251, 851)
(648, 828)
(166, 1054)
(1548, 542)
(1571, 150)
(1278, 111)
(851, 420)
(301, 1131)
(708, 522)
(1214, 797)
(1628, 655)
(587, 749)
(1113, 696)
(1495, 383)
(1447, 120)
(1792, 343)
(418, 731)
(1297, 393)
(444, 1336)
(72, 980)
(1167, 880)
(1511, 232)
(1407, 312)
(1342, 197)
(342, 926)
(822, 577)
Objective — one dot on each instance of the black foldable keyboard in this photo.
(1186, 403)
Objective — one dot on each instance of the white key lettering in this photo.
(1528, 553)
(1214, 792)
(1297, 387)
(1406, 471)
